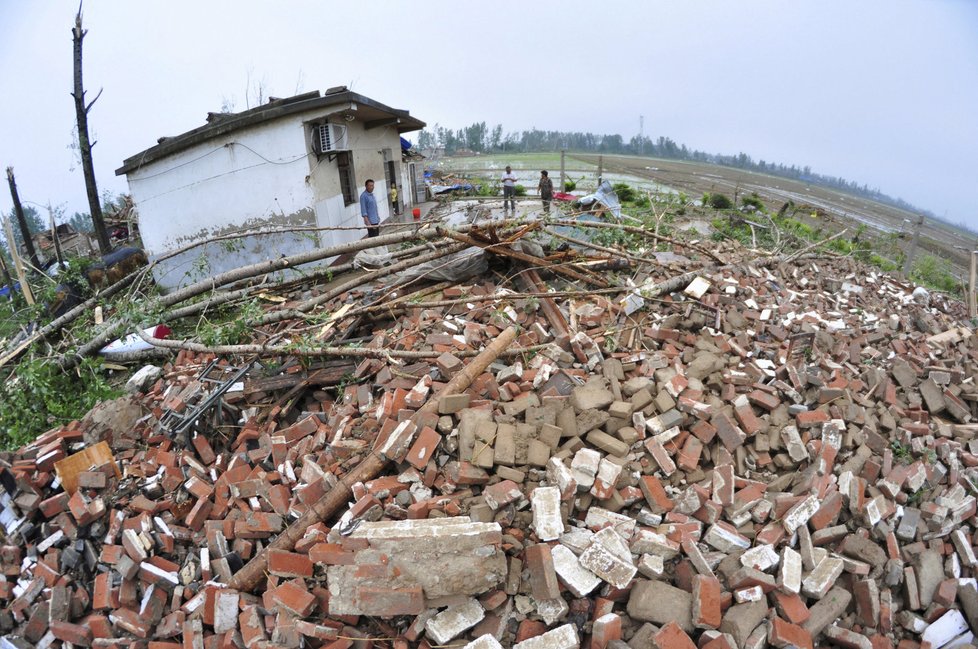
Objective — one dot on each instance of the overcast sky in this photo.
(884, 93)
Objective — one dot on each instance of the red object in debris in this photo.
(563, 196)
(416, 212)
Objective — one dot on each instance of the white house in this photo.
(300, 161)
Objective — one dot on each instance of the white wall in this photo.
(261, 177)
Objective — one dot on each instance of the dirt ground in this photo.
(695, 178)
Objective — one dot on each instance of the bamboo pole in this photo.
(368, 468)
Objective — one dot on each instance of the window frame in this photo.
(345, 166)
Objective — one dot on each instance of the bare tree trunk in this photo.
(84, 144)
(21, 220)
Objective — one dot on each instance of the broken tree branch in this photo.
(504, 250)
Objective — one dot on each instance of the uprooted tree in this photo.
(84, 143)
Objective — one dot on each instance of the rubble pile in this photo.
(766, 457)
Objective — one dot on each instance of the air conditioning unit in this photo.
(330, 137)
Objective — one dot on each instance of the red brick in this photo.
(671, 636)
(791, 607)
(332, 554)
(294, 598)
(198, 514)
(423, 448)
(128, 620)
(543, 578)
(828, 512)
(73, 633)
(289, 564)
(605, 629)
(102, 592)
(251, 626)
(530, 629)
(655, 494)
(764, 400)
(947, 592)
(707, 612)
(689, 455)
(784, 634)
(809, 418)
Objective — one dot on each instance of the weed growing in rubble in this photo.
(40, 397)
(901, 453)
(235, 330)
(935, 273)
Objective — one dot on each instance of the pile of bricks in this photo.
(781, 459)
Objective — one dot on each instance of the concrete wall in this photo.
(261, 177)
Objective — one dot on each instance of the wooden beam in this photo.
(387, 121)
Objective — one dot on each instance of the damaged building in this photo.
(298, 162)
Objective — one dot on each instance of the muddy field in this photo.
(696, 178)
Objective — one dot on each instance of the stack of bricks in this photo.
(784, 460)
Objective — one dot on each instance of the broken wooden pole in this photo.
(531, 279)
(502, 249)
(18, 266)
(251, 574)
(21, 221)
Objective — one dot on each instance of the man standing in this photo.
(546, 188)
(368, 209)
(509, 189)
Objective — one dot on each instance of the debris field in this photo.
(678, 453)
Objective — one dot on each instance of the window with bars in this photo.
(348, 183)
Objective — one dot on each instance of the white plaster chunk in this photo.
(725, 540)
(800, 513)
(563, 637)
(651, 566)
(944, 629)
(608, 565)
(789, 576)
(598, 517)
(548, 523)
(454, 620)
(226, 611)
(484, 642)
(762, 557)
(578, 579)
(552, 610)
(822, 578)
(584, 467)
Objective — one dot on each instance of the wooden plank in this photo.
(93, 456)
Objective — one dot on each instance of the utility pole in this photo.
(908, 263)
(641, 135)
(562, 152)
(600, 166)
(84, 143)
(21, 220)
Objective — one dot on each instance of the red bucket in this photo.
(416, 212)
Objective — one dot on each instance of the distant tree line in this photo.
(479, 138)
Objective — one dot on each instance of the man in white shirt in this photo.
(509, 189)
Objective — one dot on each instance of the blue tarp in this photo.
(5, 290)
(405, 144)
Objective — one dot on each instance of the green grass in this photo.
(39, 397)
